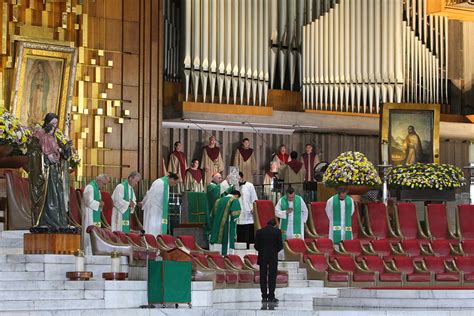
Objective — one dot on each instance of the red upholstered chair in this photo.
(465, 266)
(323, 246)
(216, 262)
(250, 261)
(409, 247)
(151, 241)
(318, 221)
(247, 276)
(135, 223)
(189, 242)
(263, 211)
(378, 223)
(443, 276)
(358, 231)
(319, 268)
(440, 248)
(412, 275)
(360, 275)
(107, 208)
(465, 218)
(437, 222)
(465, 248)
(407, 224)
(355, 248)
(74, 214)
(122, 237)
(383, 248)
(104, 242)
(386, 275)
(166, 242)
(201, 267)
(295, 249)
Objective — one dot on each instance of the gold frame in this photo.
(66, 54)
(385, 123)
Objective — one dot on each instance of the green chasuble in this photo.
(96, 214)
(127, 196)
(224, 227)
(337, 220)
(296, 216)
(213, 192)
(164, 218)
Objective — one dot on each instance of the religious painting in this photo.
(44, 82)
(412, 133)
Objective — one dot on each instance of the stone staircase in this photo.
(36, 285)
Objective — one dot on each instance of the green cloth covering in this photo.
(164, 219)
(127, 196)
(213, 192)
(296, 216)
(337, 228)
(198, 208)
(169, 282)
(224, 214)
(96, 214)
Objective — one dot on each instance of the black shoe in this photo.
(273, 300)
(265, 300)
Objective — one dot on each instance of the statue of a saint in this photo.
(49, 177)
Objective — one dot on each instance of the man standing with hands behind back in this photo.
(268, 243)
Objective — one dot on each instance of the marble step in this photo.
(392, 303)
(11, 243)
(2, 226)
(308, 295)
(13, 234)
(182, 310)
(11, 251)
(22, 276)
(305, 283)
(49, 295)
(21, 267)
(51, 305)
(288, 264)
(296, 276)
(49, 285)
(406, 294)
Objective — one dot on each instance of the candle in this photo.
(384, 152)
(79, 260)
(471, 153)
(115, 264)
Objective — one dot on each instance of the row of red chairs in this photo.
(373, 271)
(374, 223)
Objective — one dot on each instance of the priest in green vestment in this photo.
(124, 202)
(215, 190)
(293, 213)
(339, 209)
(224, 217)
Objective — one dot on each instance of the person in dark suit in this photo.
(268, 243)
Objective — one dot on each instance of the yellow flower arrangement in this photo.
(351, 168)
(13, 133)
(426, 176)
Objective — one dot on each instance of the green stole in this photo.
(222, 223)
(337, 224)
(96, 214)
(213, 192)
(127, 196)
(296, 216)
(164, 218)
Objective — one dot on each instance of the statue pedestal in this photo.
(52, 243)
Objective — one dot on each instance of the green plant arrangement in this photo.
(351, 168)
(13, 134)
(426, 176)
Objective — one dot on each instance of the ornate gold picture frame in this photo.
(43, 82)
(412, 132)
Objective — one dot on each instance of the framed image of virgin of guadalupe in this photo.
(44, 82)
(411, 131)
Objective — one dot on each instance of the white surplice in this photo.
(120, 205)
(282, 215)
(329, 213)
(89, 205)
(153, 208)
(246, 200)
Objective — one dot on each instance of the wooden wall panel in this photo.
(328, 145)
